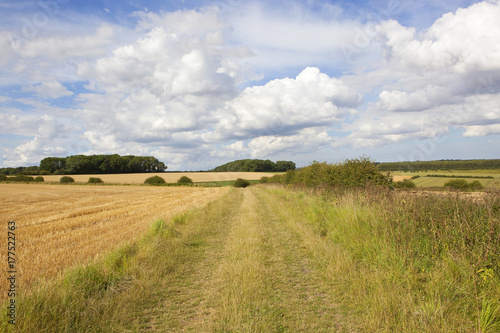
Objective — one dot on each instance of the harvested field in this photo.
(170, 177)
(399, 178)
(58, 226)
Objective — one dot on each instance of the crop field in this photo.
(58, 226)
(170, 177)
(424, 181)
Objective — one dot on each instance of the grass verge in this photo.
(402, 262)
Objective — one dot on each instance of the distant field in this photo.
(424, 181)
(58, 226)
(170, 177)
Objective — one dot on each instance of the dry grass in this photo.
(170, 177)
(58, 226)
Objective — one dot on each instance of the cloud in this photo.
(163, 84)
(305, 141)
(60, 48)
(50, 89)
(446, 76)
(285, 106)
(48, 138)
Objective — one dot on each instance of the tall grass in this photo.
(404, 262)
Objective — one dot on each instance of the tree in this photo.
(52, 164)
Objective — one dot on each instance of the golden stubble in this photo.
(58, 226)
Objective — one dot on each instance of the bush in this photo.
(241, 183)
(184, 180)
(404, 184)
(66, 180)
(39, 179)
(154, 180)
(95, 180)
(476, 185)
(264, 180)
(21, 178)
(3, 178)
(462, 185)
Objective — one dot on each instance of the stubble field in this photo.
(170, 177)
(58, 226)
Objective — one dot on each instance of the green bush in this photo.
(21, 178)
(352, 172)
(404, 184)
(184, 180)
(476, 185)
(240, 182)
(154, 180)
(264, 180)
(3, 178)
(463, 185)
(95, 180)
(39, 179)
(66, 180)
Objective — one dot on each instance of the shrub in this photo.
(476, 185)
(95, 180)
(462, 185)
(3, 178)
(66, 180)
(264, 180)
(404, 184)
(21, 178)
(184, 180)
(39, 179)
(154, 180)
(241, 183)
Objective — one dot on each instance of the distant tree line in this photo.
(96, 164)
(440, 165)
(30, 170)
(352, 172)
(255, 165)
(93, 164)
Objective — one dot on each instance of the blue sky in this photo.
(201, 83)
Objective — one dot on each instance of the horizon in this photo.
(199, 83)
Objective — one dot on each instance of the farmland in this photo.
(427, 179)
(59, 226)
(321, 249)
(271, 258)
(170, 177)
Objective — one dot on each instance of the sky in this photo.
(200, 83)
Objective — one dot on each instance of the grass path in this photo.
(235, 265)
(250, 274)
